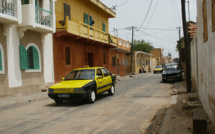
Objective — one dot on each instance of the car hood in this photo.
(71, 84)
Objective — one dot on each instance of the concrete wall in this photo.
(203, 65)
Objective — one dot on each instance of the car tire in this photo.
(154, 72)
(91, 97)
(58, 101)
(111, 91)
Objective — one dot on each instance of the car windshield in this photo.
(171, 67)
(158, 67)
(85, 74)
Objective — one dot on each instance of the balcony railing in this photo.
(78, 28)
(43, 16)
(8, 8)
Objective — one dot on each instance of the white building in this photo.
(26, 48)
(203, 56)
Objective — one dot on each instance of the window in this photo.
(33, 58)
(2, 69)
(67, 11)
(103, 27)
(88, 19)
(127, 44)
(67, 55)
(213, 15)
(105, 72)
(126, 62)
(25, 2)
(98, 72)
(30, 58)
(205, 21)
(146, 62)
(104, 58)
(123, 43)
(120, 42)
(137, 62)
(114, 61)
(140, 62)
(121, 62)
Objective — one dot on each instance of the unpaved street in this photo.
(130, 110)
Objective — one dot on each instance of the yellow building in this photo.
(82, 37)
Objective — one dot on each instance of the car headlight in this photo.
(78, 90)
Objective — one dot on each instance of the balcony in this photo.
(9, 11)
(37, 18)
(123, 45)
(81, 30)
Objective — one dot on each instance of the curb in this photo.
(166, 122)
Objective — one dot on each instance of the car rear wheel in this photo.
(58, 101)
(91, 97)
(163, 80)
(111, 91)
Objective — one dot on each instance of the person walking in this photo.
(143, 66)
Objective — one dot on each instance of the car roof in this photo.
(88, 68)
(174, 63)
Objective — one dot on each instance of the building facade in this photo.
(82, 38)
(158, 55)
(203, 55)
(138, 59)
(26, 56)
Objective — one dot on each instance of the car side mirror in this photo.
(63, 78)
(99, 77)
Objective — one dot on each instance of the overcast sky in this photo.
(160, 25)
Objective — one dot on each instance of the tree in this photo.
(141, 45)
(179, 43)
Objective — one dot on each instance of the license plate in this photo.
(63, 95)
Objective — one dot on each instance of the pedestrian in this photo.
(143, 66)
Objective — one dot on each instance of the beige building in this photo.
(158, 55)
(203, 55)
(138, 59)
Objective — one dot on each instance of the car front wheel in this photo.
(111, 91)
(91, 97)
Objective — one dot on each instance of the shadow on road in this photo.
(79, 103)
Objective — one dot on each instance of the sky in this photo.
(155, 21)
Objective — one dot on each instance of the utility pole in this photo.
(187, 46)
(132, 40)
(179, 46)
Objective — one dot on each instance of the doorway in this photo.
(90, 59)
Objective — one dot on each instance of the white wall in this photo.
(14, 71)
(48, 58)
(204, 73)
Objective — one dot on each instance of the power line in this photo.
(146, 14)
(156, 37)
(152, 13)
(122, 4)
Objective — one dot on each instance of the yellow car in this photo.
(158, 69)
(83, 84)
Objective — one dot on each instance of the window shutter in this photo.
(103, 27)
(23, 57)
(205, 21)
(213, 15)
(0, 61)
(91, 21)
(36, 58)
(86, 20)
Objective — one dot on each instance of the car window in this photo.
(98, 72)
(171, 67)
(105, 72)
(84, 74)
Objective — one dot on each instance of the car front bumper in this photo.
(68, 96)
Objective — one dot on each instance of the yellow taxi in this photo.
(83, 84)
(158, 69)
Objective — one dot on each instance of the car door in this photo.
(107, 80)
(101, 81)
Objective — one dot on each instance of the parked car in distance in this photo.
(171, 72)
(83, 84)
(158, 69)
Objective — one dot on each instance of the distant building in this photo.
(203, 55)
(138, 59)
(158, 55)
